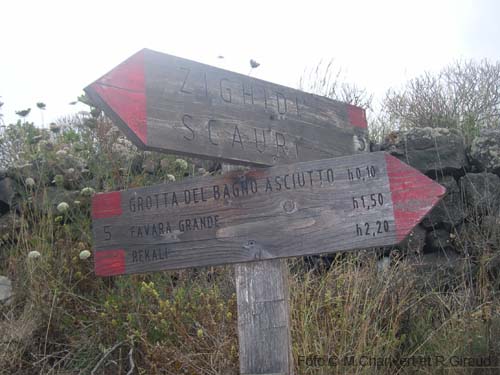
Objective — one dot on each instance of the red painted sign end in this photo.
(109, 262)
(106, 205)
(413, 195)
(123, 90)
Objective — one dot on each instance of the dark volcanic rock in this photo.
(150, 166)
(485, 151)
(209, 165)
(9, 223)
(433, 151)
(481, 193)
(438, 239)
(449, 212)
(7, 194)
(414, 243)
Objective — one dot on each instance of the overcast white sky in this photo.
(50, 50)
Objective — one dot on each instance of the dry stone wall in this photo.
(467, 220)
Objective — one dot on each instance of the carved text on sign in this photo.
(364, 200)
(167, 103)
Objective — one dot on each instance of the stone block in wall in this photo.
(449, 211)
(414, 243)
(481, 193)
(437, 240)
(433, 151)
(485, 151)
(7, 193)
(9, 223)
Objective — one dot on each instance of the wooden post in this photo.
(265, 343)
(264, 318)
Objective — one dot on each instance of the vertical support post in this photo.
(262, 290)
(264, 318)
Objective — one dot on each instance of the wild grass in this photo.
(64, 320)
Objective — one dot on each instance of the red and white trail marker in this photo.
(353, 202)
(166, 103)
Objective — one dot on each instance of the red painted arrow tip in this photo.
(123, 89)
(413, 195)
(129, 75)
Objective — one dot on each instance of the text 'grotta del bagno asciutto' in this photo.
(243, 186)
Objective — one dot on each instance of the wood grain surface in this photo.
(265, 343)
(166, 103)
(264, 337)
(353, 202)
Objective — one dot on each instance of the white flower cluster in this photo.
(85, 254)
(34, 254)
(62, 207)
(181, 164)
(87, 192)
(29, 182)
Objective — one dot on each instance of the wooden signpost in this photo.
(165, 103)
(324, 206)
(302, 205)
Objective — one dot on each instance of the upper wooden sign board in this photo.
(352, 202)
(166, 103)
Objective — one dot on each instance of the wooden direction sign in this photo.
(353, 202)
(166, 103)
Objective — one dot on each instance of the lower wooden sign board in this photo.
(324, 206)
